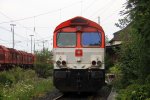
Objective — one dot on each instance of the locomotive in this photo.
(10, 57)
(78, 55)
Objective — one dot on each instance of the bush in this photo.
(117, 72)
(135, 92)
(6, 79)
(43, 65)
(43, 70)
(1, 93)
(17, 73)
(19, 84)
(148, 79)
(108, 62)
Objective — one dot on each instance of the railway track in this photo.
(100, 95)
(52, 95)
(79, 97)
(72, 97)
(57, 95)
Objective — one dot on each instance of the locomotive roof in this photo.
(78, 21)
(13, 50)
(3, 48)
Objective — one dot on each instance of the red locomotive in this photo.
(10, 57)
(78, 54)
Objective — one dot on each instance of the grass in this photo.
(19, 84)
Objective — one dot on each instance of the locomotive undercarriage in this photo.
(79, 80)
(10, 66)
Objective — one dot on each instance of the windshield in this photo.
(66, 39)
(91, 39)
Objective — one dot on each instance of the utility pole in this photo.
(98, 20)
(12, 29)
(43, 43)
(31, 42)
(34, 45)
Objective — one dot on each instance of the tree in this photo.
(135, 53)
(44, 64)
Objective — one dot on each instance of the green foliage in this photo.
(43, 70)
(43, 87)
(108, 62)
(148, 79)
(116, 69)
(25, 85)
(134, 69)
(5, 79)
(139, 13)
(132, 60)
(135, 92)
(44, 56)
(43, 65)
(135, 53)
(118, 75)
(1, 97)
(18, 75)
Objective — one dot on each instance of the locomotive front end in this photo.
(78, 54)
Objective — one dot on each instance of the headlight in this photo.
(58, 63)
(64, 63)
(93, 62)
(99, 63)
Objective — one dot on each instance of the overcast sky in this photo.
(40, 17)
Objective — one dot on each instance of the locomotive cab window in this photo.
(91, 39)
(66, 39)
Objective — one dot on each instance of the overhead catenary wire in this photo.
(102, 9)
(89, 6)
(10, 31)
(34, 31)
(38, 15)
(108, 18)
(60, 9)
(29, 17)
(19, 24)
(34, 28)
